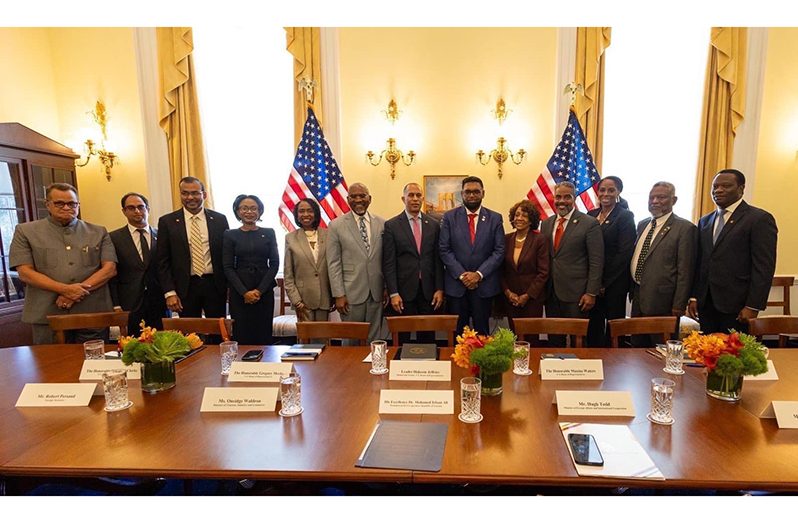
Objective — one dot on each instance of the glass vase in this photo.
(157, 376)
(726, 387)
(491, 384)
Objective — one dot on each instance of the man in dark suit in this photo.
(472, 250)
(411, 263)
(577, 259)
(135, 287)
(190, 255)
(736, 259)
(663, 261)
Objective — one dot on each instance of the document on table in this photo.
(623, 455)
(405, 445)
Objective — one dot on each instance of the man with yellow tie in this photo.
(190, 255)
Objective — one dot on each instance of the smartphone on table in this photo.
(252, 355)
(585, 450)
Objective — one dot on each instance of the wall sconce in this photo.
(391, 154)
(107, 158)
(501, 153)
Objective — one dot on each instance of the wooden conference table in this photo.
(712, 444)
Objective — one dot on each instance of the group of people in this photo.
(573, 265)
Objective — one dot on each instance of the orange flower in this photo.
(468, 342)
(194, 341)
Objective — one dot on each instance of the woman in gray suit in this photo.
(305, 271)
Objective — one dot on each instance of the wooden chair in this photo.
(785, 282)
(220, 326)
(665, 326)
(563, 326)
(60, 323)
(432, 322)
(783, 326)
(327, 330)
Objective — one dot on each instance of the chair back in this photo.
(786, 283)
(664, 326)
(576, 327)
(783, 326)
(60, 323)
(432, 322)
(220, 326)
(328, 330)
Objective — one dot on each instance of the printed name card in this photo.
(93, 370)
(408, 370)
(239, 399)
(769, 375)
(571, 369)
(786, 414)
(594, 403)
(56, 395)
(416, 402)
(242, 371)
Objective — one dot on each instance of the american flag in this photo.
(315, 175)
(571, 162)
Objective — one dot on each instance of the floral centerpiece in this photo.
(487, 356)
(156, 351)
(727, 358)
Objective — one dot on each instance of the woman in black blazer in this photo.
(618, 227)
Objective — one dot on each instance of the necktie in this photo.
(197, 254)
(417, 232)
(363, 234)
(719, 227)
(145, 248)
(641, 260)
(472, 227)
(558, 233)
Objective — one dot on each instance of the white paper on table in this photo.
(769, 375)
(623, 455)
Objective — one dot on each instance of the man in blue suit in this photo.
(472, 249)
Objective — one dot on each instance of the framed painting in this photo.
(442, 193)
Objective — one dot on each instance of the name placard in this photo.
(770, 375)
(241, 371)
(594, 403)
(416, 401)
(786, 414)
(93, 370)
(239, 399)
(56, 395)
(409, 370)
(571, 369)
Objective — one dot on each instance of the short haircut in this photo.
(316, 212)
(531, 212)
(59, 187)
(404, 189)
(566, 184)
(737, 174)
(191, 179)
(667, 185)
(471, 179)
(240, 198)
(614, 179)
(362, 185)
(128, 195)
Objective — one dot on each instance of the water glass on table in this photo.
(521, 364)
(94, 350)
(470, 400)
(291, 395)
(379, 357)
(673, 357)
(661, 401)
(115, 389)
(228, 350)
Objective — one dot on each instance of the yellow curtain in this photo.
(178, 111)
(304, 44)
(590, 45)
(722, 111)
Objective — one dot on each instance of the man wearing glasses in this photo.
(65, 263)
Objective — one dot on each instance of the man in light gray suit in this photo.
(577, 259)
(354, 260)
(663, 260)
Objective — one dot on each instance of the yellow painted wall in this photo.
(446, 82)
(777, 161)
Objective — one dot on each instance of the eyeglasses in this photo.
(59, 204)
(469, 192)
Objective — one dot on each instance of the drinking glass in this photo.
(291, 395)
(228, 350)
(115, 389)
(673, 357)
(470, 399)
(94, 350)
(521, 364)
(379, 357)
(661, 401)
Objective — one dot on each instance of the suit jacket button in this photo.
(316, 275)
